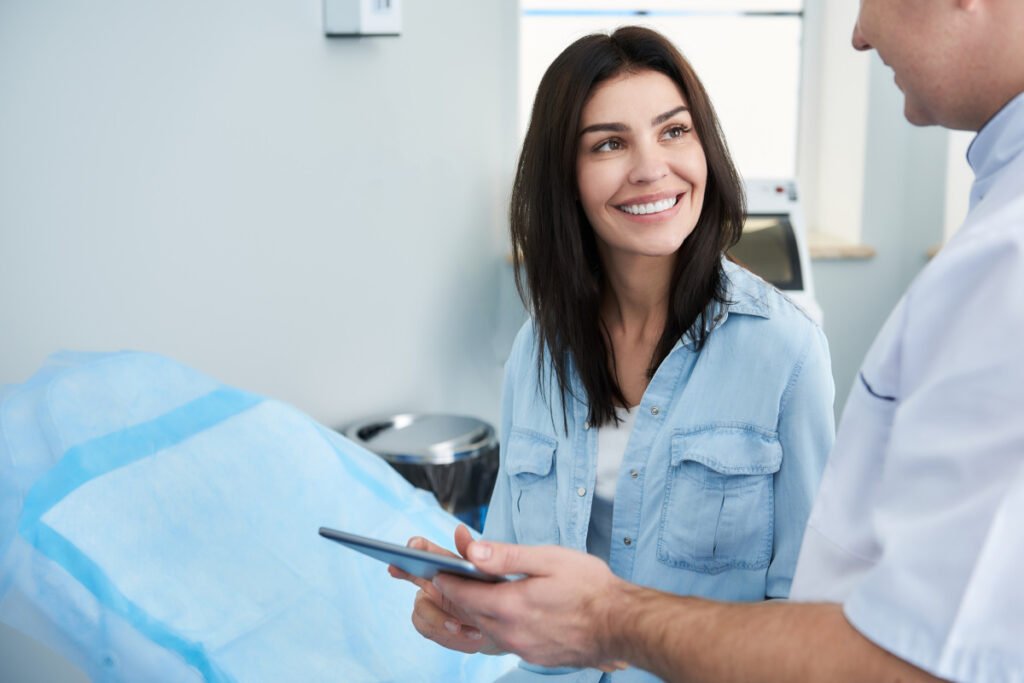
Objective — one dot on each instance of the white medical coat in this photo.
(918, 527)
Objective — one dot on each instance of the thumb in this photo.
(509, 558)
(463, 538)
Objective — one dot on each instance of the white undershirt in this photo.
(611, 447)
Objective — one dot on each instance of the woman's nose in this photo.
(649, 165)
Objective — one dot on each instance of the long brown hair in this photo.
(558, 272)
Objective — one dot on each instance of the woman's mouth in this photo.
(647, 208)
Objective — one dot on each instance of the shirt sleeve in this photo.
(806, 432)
(946, 593)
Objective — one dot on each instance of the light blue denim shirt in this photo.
(720, 470)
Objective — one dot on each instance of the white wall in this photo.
(319, 220)
(904, 199)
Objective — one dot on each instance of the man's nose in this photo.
(859, 41)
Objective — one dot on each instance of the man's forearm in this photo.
(690, 639)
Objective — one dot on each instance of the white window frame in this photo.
(959, 178)
(833, 123)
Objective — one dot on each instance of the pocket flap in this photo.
(529, 453)
(729, 450)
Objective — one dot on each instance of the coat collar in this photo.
(996, 145)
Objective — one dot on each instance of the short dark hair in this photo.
(558, 271)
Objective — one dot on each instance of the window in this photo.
(790, 93)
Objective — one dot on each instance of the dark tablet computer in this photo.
(421, 563)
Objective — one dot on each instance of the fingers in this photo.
(474, 598)
(463, 537)
(423, 584)
(420, 543)
(434, 623)
(478, 600)
(509, 558)
(551, 616)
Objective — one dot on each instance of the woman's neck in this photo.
(636, 300)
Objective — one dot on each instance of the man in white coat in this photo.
(912, 566)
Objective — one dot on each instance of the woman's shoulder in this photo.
(749, 293)
(523, 356)
(765, 311)
(525, 343)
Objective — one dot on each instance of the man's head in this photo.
(956, 61)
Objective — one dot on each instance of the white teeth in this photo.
(650, 207)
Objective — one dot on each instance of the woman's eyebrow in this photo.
(605, 128)
(662, 118)
(622, 128)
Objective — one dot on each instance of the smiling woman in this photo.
(607, 96)
(642, 177)
(664, 409)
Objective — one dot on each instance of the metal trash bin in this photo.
(453, 457)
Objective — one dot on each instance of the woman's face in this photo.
(640, 169)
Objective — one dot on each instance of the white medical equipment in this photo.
(774, 242)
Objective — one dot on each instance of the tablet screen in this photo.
(421, 563)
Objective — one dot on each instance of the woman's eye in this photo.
(677, 131)
(612, 145)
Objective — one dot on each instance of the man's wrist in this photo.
(617, 616)
(656, 631)
(603, 609)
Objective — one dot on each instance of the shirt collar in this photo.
(999, 142)
(744, 295)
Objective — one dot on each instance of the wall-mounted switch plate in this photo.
(362, 17)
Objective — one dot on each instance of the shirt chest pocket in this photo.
(531, 469)
(719, 505)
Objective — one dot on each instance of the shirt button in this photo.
(581, 491)
(586, 425)
(634, 474)
(655, 410)
(627, 540)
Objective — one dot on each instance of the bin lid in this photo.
(423, 439)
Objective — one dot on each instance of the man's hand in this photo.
(556, 616)
(570, 610)
(435, 617)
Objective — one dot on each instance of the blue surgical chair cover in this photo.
(157, 525)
